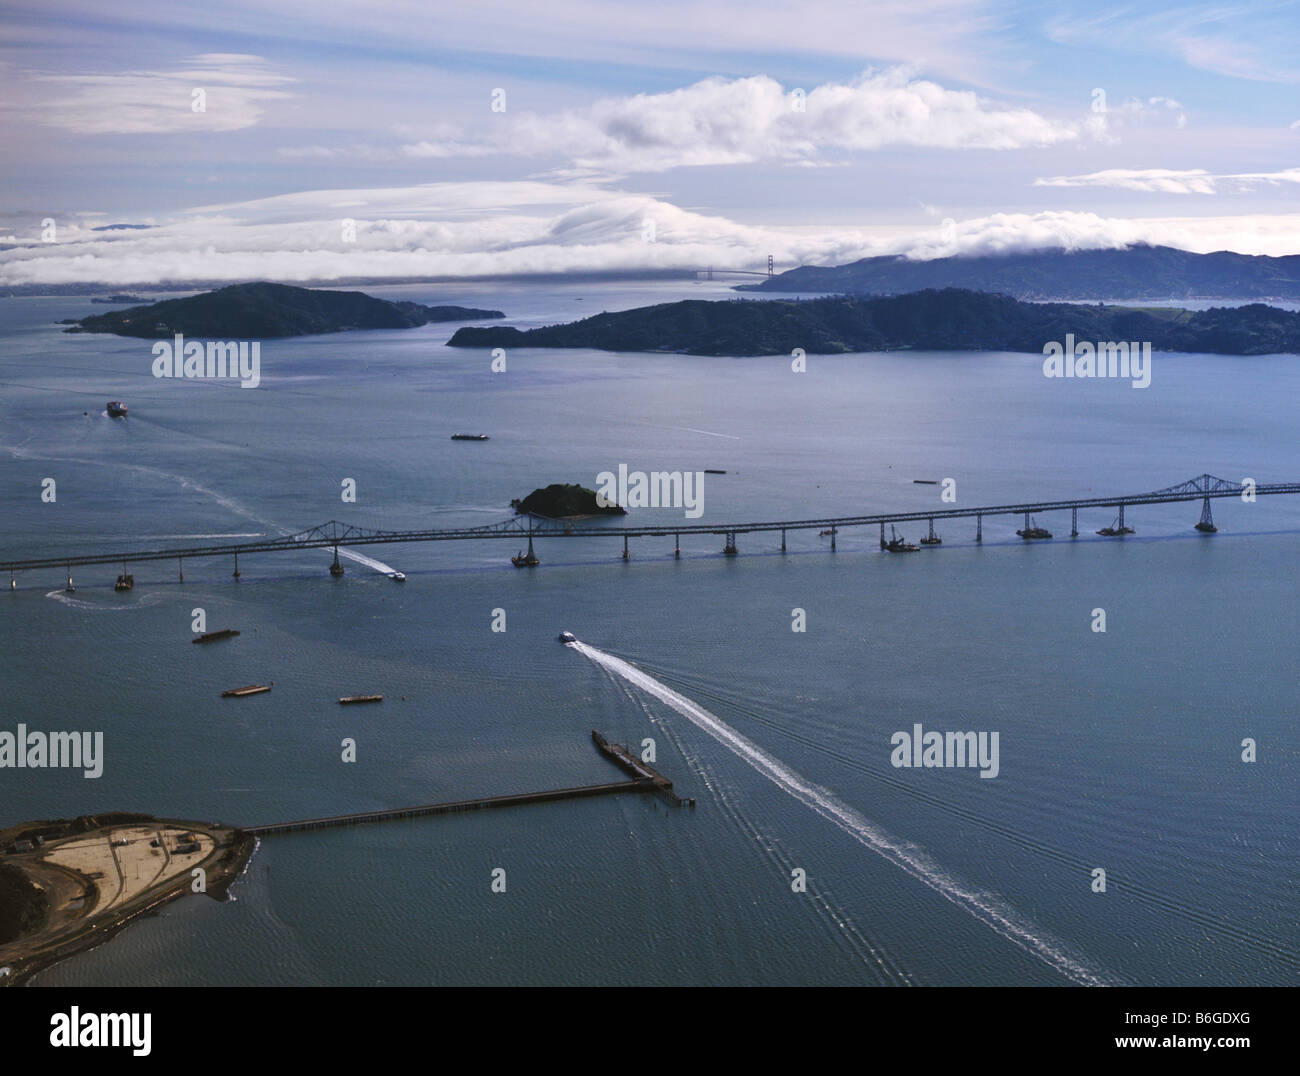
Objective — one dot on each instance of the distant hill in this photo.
(947, 320)
(1138, 272)
(264, 311)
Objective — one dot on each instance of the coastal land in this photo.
(951, 319)
(70, 885)
(1140, 271)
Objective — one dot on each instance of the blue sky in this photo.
(720, 130)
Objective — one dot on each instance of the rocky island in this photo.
(952, 319)
(559, 501)
(69, 885)
(263, 311)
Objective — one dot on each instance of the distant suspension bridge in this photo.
(333, 535)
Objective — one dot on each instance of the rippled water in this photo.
(1118, 750)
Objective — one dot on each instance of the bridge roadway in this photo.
(333, 534)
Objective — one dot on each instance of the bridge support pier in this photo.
(180, 568)
(69, 588)
(832, 538)
(1121, 520)
(729, 549)
(783, 540)
(13, 583)
(336, 568)
(1206, 525)
(626, 554)
(677, 545)
(236, 566)
(883, 544)
(979, 528)
(1074, 522)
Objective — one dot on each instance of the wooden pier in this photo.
(645, 779)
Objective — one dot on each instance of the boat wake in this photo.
(369, 562)
(985, 907)
(100, 607)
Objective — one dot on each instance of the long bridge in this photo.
(1203, 488)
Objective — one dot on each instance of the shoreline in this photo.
(63, 933)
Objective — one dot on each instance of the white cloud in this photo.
(461, 230)
(742, 121)
(235, 87)
(1171, 181)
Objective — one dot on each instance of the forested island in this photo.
(564, 501)
(265, 311)
(1137, 272)
(951, 319)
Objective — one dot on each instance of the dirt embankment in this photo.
(23, 909)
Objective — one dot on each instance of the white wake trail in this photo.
(369, 562)
(983, 907)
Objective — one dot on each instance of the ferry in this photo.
(567, 637)
(116, 409)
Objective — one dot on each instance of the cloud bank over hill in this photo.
(475, 229)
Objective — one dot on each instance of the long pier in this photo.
(646, 779)
(1203, 488)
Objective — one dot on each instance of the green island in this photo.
(951, 319)
(265, 311)
(560, 501)
(68, 885)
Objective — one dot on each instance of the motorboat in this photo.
(567, 637)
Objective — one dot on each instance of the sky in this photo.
(313, 140)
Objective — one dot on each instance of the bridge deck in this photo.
(332, 534)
